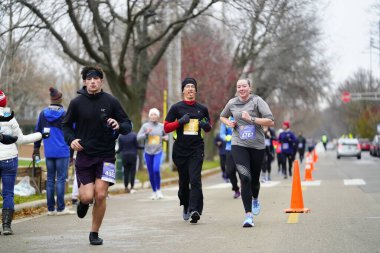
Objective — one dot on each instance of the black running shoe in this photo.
(82, 209)
(95, 239)
(194, 217)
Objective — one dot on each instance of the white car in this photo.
(348, 147)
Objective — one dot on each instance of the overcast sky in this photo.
(347, 25)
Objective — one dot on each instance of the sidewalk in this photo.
(116, 188)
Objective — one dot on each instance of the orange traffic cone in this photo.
(315, 156)
(296, 203)
(308, 172)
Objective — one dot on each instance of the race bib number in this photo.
(153, 140)
(267, 142)
(109, 172)
(300, 145)
(247, 132)
(285, 146)
(191, 128)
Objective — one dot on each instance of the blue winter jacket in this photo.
(54, 146)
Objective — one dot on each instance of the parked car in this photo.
(375, 146)
(365, 144)
(348, 147)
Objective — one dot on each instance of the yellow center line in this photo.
(293, 218)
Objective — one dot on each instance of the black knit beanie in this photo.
(189, 80)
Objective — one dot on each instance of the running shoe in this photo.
(194, 217)
(159, 194)
(186, 213)
(236, 194)
(82, 209)
(248, 222)
(153, 196)
(95, 239)
(65, 211)
(51, 213)
(256, 207)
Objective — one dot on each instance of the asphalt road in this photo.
(344, 217)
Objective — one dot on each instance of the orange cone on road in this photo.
(308, 172)
(296, 203)
(315, 156)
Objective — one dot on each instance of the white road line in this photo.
(270, 183)
(356, 181)
(311, 183)
(219, 186)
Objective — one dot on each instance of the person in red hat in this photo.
(288, 142)
(11, 132)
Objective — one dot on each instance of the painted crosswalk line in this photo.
(354, 181)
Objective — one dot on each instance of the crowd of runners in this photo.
(95, 121)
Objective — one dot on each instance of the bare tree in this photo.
(127, 39)
(18, 74)
(280, 49)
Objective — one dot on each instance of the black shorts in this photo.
(88, 168)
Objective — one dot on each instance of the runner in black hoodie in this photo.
(92, 123)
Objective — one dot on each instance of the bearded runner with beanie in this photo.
(98, 118)
(187, 119)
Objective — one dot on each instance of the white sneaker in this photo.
(159, 194)
(133, 191)
(153, 196)
(65, 211)
(51, 213)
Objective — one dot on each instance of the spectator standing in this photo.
(188, 118)
(287, 139)
(10, 132)
(153, 133)
(250, 114)
(98, 118)
(128, 147)
(57, 153)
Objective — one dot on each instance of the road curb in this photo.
(117, 188)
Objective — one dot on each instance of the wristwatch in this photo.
(253, 119)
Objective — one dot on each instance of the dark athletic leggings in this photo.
(248, 163)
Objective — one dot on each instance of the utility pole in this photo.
(173, 63)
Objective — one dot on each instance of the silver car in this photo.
(348, 147)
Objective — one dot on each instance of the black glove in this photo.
(185, 119)
(7, 118)
(7, 139)
(45, 135)
(204, 124)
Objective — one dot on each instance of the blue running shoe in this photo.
(186, 214)
(248, 222)
(256, 207)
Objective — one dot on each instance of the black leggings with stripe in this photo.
(248, 163)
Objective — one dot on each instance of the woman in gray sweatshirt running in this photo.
(153, 133)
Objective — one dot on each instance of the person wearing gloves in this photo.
(152, 132)
(57, 153)
(10, 133)
(187, 119)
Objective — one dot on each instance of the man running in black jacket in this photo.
(93, 122)
(187, 118)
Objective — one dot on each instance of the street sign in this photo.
(346, 97)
